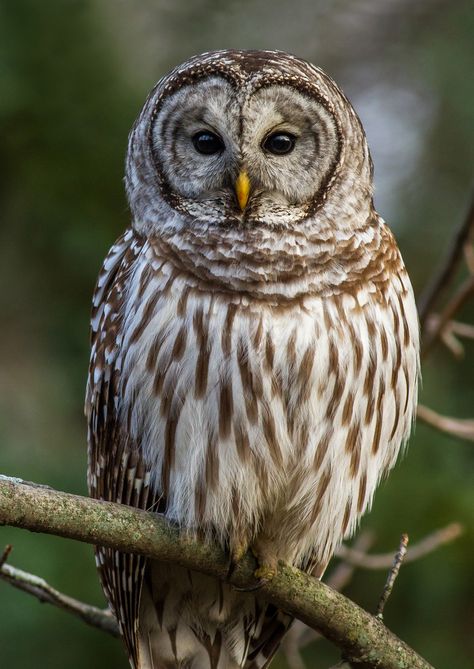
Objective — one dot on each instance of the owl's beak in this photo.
(242, 189)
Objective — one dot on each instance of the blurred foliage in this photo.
(73, 75)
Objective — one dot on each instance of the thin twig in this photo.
(39, 588)
(437, 325)
(384, 560)
(457, 427)
(6, 554)
(392, 575)
(445, 273)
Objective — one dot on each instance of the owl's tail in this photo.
(188, 619)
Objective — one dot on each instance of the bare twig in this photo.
(392, 575)
(39, 588)
(435, 327)
(458, 427)
(446, 271)
(360, 636)
(6, 554)
(384, 560)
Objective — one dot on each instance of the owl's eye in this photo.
(207, 143)
(279, 143)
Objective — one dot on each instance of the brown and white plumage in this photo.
(253, 373)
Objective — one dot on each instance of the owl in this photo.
(255, 353)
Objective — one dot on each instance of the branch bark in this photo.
(361, 637)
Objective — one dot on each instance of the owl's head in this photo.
(247, 139)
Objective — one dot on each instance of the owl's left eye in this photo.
(207, 143)
(279, 143)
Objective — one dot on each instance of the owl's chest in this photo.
(229, 369)
(224, 394)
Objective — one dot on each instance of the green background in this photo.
(73, 76)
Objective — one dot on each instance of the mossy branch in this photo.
(361, 637)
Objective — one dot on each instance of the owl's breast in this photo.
(249, 411)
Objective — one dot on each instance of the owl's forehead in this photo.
(246, 72)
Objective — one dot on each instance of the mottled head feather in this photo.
(347, 176)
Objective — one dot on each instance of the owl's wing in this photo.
(116, 471)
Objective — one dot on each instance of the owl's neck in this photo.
(278, 265)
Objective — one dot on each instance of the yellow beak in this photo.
(242, 189)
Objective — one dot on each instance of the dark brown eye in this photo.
(207, 143)
(279, 143)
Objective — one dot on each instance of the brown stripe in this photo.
(406, 329)
(407, 384)
(356, 346)
(212, 464)
(371, 329)
(202, 370)
(348, 409)
(257, 337)
(226, 340)
(144, 281)
(322, 487)
(159, 378)
(353, 447)
(225, 408)
(369, 410)
(183, 302)
(269, 432)
(379, 412)
(397, 365)
(201, 329)
(333, 356)
(370, 375)
(322, 448)
(241, 440)
(397, 415)
(179, 344)
(147, 314)
(291, 351)
(304, 373)
(362, 490)
(247, 382)
(337, 392)
(345, 520)
(269, 351)
(154, 350)
(383, 342)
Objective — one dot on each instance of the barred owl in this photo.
(254, 360)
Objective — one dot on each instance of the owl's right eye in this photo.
(207, 143)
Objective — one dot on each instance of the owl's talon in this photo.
(237, 553)
(265, 573)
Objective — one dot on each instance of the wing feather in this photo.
(116, 471)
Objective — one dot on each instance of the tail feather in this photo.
(188, 620)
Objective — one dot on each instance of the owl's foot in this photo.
(237, 552)
(267, 565)
(265, 572)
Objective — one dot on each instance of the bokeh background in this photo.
(73, 75)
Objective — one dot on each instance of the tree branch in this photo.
(384, 560)
(360, 636)
(445, 273)
(39, 588)
(463, 428)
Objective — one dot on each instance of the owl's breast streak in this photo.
(262, 419)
